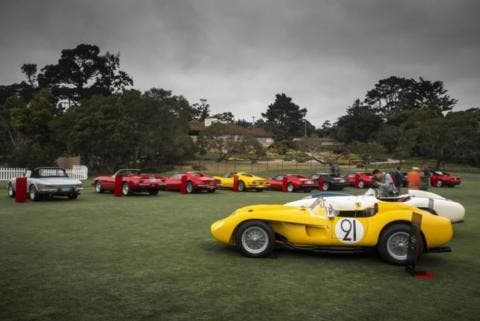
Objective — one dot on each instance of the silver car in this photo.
(46, 182)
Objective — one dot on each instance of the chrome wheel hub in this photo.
(397, 245)
(255, 239)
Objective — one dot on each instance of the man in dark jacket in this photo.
(398, 178)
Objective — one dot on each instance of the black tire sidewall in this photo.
(290, 187)
(386, 233)
(262, 225)
(128, 189)
(241, 186)
(10, 188)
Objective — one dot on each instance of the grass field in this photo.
(152, 258)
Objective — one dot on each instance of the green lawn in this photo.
(152, 258)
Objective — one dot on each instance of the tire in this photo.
(73, 196)
(189, 188)
(212, 190)
(393, 243)
(326, 186)
(290, 187)
(126, 189)
(361, 184)
(241, 186)
(153, 192)
(33, 193)
(439, 183)
(98, 187)
(255, 239)
(11, 191)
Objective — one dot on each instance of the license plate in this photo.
(66, 189)
(152, 180)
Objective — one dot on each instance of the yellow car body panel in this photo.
(251, 181)
(307, 227)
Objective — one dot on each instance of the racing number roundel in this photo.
(349, 230)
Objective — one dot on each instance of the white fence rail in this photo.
(77, 171)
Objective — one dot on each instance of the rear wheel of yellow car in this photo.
(393, 243)
(255, 239)
(241, 186)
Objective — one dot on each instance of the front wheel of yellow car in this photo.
(393, 243)
(255, 239)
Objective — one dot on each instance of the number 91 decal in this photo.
(349, 230)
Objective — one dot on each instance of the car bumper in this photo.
(205, 186)
(59, 190)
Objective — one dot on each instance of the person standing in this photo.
(425, 177)
(398, 178)
(413, 178)
(385, 182)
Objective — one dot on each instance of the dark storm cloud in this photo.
(238, 54)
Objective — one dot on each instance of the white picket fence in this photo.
(77, 171)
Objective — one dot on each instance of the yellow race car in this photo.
(351, 225)
(246, 181)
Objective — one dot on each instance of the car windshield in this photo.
(440, 173)
(50, 172)
(198, 174)
(128, 172)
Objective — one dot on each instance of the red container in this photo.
(235, 183)
(118, 186)
(21, 189)
(183, 184)
(284, 184)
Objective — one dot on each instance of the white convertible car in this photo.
(427, 201)
(48, 182)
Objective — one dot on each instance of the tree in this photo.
(360, 123)
(226, 117)
(219, 139)
(368, 152)
(30, 71)
(285, 118)
(131, 128)
(35, 141)
(327, 129)
(83, 72)
(200, 111)
(244, 123)
(395, 94)
(315, 148)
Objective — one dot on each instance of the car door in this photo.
(276, 182)
(108, 182)
(227, 181)
(349, 229)
(174, 182)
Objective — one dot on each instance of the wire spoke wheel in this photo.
(397, 245)
(255, 239)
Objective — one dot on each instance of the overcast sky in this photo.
(239, 54)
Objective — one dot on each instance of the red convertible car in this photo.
(360, 179)
(440, 179)
(196, 181)
(133, 181)
(294, 183)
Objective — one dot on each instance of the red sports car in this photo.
(196, 181)
(133, 181)
(294, 183)
(360, 179)
(440, 179)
